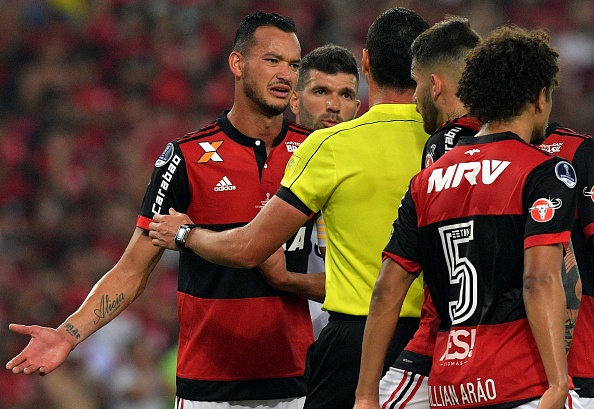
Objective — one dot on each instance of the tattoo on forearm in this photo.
(570, 320)
(573, 293)
(107, 306)
(72, 330)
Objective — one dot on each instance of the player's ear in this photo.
(436, 86)
(236, 62)
(541, 100)
(294, 103)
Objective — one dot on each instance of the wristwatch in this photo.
(182, 235)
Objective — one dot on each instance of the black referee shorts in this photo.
(333, 361)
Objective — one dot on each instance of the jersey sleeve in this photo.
(168, 187)
(549, 201)
(583, 162)
(310, 173)
(434, 149)
(403, 244)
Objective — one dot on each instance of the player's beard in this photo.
(430, 113)
(251, 90)
(307, 119)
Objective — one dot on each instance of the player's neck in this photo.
(453, 108)
(522, 125)
(256, 125)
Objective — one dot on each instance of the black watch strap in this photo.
(182, 235)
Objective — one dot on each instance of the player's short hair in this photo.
(446, 42)
(329, 59)
(507, 70)
(244, 36)
(388, 43)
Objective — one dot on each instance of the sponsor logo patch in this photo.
(543, 210)
(485, 172)
(566, 174)
(165, 156)
(551, 148)
(292, 146)
(210, 152)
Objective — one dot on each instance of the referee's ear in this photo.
(365, 62)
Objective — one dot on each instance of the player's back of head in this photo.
(506, 71)
(446, 43)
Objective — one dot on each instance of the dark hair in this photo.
(449, 40)
(388, 43)
(329, 59)
(510, 67)
(244, 36)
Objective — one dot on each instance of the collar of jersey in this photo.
(245, 140)
(495, 137)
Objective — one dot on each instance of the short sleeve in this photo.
(167, 188)
(583, 162)
(310, 173)
(549, 201)
(403, 245)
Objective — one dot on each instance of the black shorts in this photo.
(333, 361)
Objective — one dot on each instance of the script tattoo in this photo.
(72, 330)
(107, 306)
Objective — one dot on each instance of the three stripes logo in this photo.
(210, 152)
(224, 184)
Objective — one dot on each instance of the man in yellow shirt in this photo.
(325, 95)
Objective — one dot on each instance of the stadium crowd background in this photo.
(90, 93)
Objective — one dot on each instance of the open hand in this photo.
(46, 350)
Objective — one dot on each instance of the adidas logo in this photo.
(224, 184)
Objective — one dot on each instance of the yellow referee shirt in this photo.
(357, 172)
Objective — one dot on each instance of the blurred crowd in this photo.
(90, 93)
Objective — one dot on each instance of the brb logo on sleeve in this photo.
(543, 210)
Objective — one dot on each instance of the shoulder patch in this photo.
(165, 156)
(566, 174)
(291, 166)
(543, 209)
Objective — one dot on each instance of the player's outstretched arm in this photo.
(386, 302)
(544, 299)
(49, 347)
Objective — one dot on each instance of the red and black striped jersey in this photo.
(417, 355)
(239, 339)
(466, 221)
(579, 150)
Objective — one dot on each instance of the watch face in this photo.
(180, 237)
